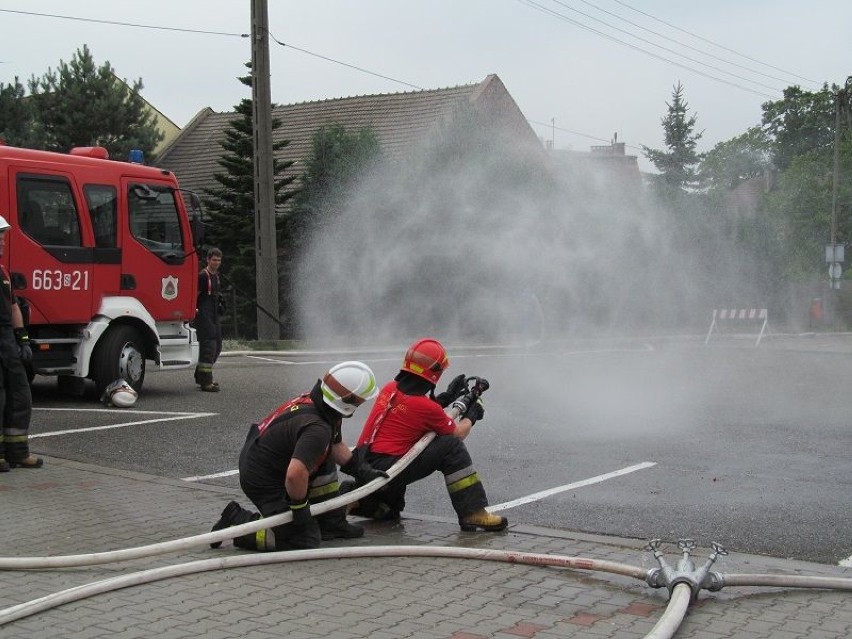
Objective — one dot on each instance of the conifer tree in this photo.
(677, 164)
(81, 104)
(16, 117)
(229, 213)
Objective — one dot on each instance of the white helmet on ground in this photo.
(348, 385)
(120, 394)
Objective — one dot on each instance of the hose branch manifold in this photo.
(701, 578)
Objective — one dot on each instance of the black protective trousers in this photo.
(209, 346)
(323, 485)
(447, 454)
(16, 402)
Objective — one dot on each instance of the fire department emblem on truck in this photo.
(170, 288)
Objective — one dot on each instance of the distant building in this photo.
(399, 120)
(163, 124)
(744, 199)
(603, 166)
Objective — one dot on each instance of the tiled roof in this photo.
(399, 120)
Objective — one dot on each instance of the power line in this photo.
(695, 35)
(344, 64)
(282, 44)
(683, 44)
(552, 126)
(205, 32)
(586, 27)
(125, 24)
(659, 46)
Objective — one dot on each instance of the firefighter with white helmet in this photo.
(16, 402)
(406, 409)
(300, 442)
(120, 393)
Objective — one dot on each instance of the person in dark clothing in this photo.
(207, 321)
(16, 402)
(289, 461)
(407, 409)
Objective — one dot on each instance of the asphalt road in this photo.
(748, 447)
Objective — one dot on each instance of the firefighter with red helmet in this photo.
(289, 461)
(16, 402)
(405, 410)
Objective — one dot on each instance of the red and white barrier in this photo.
(726, 315)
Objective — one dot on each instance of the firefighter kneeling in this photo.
(301, 441)
(406, 409)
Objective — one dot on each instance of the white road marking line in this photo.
(273, 359)
(288, 362)
(226, 473)
(117, 410)
(561, 489)
(171, 417)
(312, 363)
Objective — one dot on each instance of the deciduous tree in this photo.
(800, 123)
(734, 161)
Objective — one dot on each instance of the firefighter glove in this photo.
(301, 512)
(361, 470)
(221, 304)
(23, 340)
(455, 390)
(475, 411)
(366, 473)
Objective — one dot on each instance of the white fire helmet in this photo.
(348, 385)
(120, 394)
(4, 224)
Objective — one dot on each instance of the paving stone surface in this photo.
(71, 508)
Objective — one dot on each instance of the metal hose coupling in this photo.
(685, 573)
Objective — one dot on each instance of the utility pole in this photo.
(266, 251)
(834, 252)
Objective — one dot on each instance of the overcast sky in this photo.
(580, 70)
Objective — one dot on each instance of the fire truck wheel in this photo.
(120, 355)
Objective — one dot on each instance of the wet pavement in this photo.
(73, 508)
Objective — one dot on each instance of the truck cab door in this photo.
(51, 255)
(159, 265)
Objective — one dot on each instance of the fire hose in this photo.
(684, 581)
(457, 408)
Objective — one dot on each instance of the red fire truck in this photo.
(101, 257)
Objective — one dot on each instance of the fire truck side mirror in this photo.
(197, 231)
(197, 224)
(195, 219)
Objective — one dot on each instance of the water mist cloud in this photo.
(455, 239)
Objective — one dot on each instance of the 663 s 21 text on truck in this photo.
(102, 258)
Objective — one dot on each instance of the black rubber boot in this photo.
(333, 525)
(225, 520)
(249, 541)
